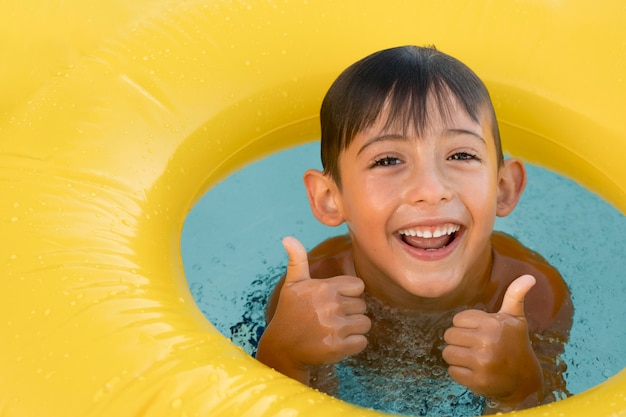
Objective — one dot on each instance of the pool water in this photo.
(232, 255)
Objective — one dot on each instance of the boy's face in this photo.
(421, 209)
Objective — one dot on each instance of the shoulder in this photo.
(548, 303)
(332, 257)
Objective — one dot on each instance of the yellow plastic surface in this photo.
(116, 116)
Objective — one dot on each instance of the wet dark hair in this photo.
(401, 80)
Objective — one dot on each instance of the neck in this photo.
(467, 295)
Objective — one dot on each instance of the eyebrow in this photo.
(452, 132)
(381, 138)
(397, 136)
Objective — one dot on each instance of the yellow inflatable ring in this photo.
(109, 133)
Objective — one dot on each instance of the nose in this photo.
(428, 184)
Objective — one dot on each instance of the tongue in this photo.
(430, 243)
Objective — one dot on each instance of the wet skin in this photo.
(420, 206)
(547, 309)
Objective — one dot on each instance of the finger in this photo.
(460, 337)
(355, 325)
(298, 265)
(469, 319)
(513, 302)
(350, 286)
(456, 356)
(460, 362)
(462, 375)
(353, 305)
(355, 343)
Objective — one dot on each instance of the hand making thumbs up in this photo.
(491, 354)
(317, 321)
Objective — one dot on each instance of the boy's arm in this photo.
(491, 353)
(549, 344)
(314, 321)
(270, 352)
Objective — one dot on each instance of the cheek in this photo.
(479, 194)
(369, 199)
(481, 184)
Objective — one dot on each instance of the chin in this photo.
(430, 288)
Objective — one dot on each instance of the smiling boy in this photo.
(413, 165)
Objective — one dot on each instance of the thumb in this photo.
(513, 302)
(298, 266)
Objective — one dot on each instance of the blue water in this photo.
(232, 253)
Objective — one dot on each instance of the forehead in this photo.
(440, 110)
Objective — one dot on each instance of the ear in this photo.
(511, 183)
(323, 193)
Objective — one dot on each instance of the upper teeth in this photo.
(429, 232)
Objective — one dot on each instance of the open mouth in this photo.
(430, 238)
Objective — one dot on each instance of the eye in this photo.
(386, 161)
(464, 156)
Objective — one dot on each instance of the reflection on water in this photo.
(233, 257)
